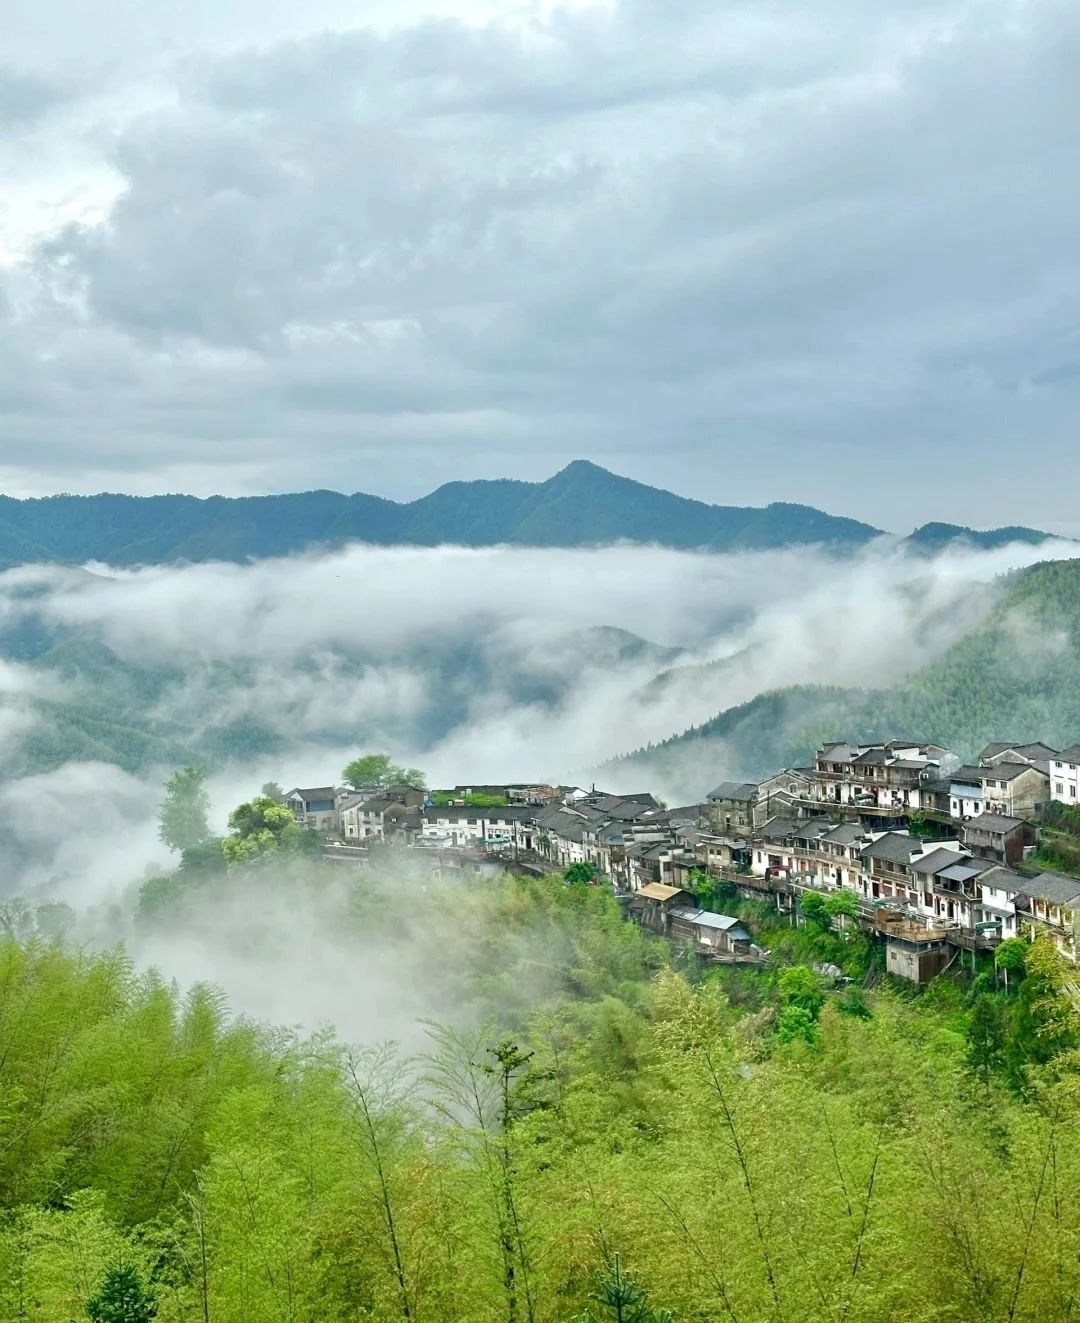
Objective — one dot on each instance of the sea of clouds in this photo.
(477, 665)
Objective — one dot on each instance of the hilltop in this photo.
(582, 505)
(1018, 672)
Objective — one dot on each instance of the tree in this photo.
(183, 819)
(262, 829)
(1045, 1022)
(377, 769)
(1010, 956)
(622, 1300)
(985, 1037)
(272, 790)
(799, 986)
(796, 1024)
(122, 1298)
(842, 905)
(812, 908)
(580, 874)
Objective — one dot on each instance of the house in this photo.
(886, 780)
(512, 826)
(1019, 790)
(1050, 904)
(999, 889)
(915, 955)
(733, 807)
(997, 836)
(1065, 775)
(1035, 755)
(785, 789)
(370, 815)
(651, 905)
(714, 934)
(315, 808)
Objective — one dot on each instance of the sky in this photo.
(816, 252)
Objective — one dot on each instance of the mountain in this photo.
(583, 505)
(1017, 676)
(932, 537)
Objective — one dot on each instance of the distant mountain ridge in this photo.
(582, 505)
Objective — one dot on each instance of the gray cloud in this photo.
(756, 252)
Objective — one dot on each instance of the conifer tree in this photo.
(122, 1298)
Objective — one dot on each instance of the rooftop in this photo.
(999, 823)
(1057, 888)
(739, 791)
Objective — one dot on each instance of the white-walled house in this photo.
(508, 827)
(1065, 776)
(315, 808)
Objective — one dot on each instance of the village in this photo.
(933, 853)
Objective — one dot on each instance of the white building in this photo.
(1065, 775)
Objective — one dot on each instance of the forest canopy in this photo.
(598, 1126)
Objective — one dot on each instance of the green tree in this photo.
(1009, 956)
(122, 1298)
(183, 819)
(812, 908)
(272, 790)
(378, 769)
(799, 986)
(1045, 1021)
(580, 874)
(985, 1037)
(796, 1024)
(261, 830)
(622, 1300)
(842, 905)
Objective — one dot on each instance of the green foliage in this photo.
(1011, 953)
(122, 1297)
(622, 1301)
(1045, 1022)
(800, 987)
(183, 819)
(814, 910)
(853, 1002)
(842, 904)
(985, 1037)
(378, 769)
(262, 831)
(765, 1161)
(580, 874)
(795, 1024)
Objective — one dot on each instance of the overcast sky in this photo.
(752, 251)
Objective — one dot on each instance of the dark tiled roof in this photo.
(1007, 771)
(1003, 879)
(1069, 755)
(741, 791)
(995, 822)
(939, 859)
(894, 847)
(1057, 888)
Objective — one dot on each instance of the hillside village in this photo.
(937, 855)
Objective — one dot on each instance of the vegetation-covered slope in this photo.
(615, 1133)
(1015, 677)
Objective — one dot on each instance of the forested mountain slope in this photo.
(1016, 676)
(582, 505)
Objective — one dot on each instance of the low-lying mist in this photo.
(476, 665)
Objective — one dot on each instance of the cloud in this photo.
(753, 251)
(486, 665)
